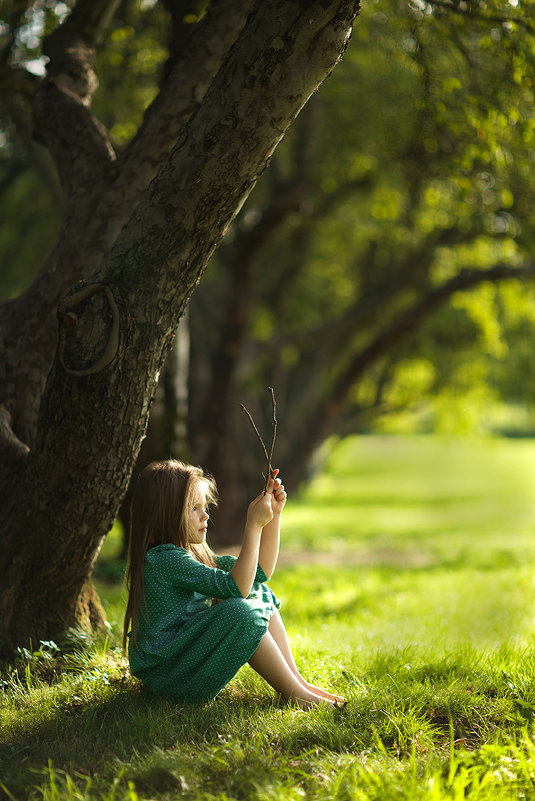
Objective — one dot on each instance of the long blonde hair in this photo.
(162, 496)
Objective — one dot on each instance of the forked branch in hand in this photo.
(269, 469)
(268, 456)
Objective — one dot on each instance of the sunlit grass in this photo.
(439, 496)
(414, 598)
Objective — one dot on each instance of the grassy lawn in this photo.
(407, 583)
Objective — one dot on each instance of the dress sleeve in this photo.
(181, 569)
(226, 561)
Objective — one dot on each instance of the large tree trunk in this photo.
(115, 328)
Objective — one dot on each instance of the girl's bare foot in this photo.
(306, 700)
(337, 699)
(318, 700)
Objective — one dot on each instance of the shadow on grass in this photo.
(236, 745)
(95, 738)
(241, 743)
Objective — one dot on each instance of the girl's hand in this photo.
(260, 511)
(278, 494)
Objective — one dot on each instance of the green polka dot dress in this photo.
(187, 648)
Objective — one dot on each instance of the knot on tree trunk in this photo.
(88, 330)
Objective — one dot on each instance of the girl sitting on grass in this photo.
(195, 617)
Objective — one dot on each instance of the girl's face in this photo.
(197, 516)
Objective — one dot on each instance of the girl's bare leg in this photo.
(278, 632)
(269, 662)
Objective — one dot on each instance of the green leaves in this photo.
(432, 107)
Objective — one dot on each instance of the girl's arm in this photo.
(269, 544)
(243, 570)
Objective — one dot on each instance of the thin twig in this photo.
(255, 429)
(268, 456)
(269, 469)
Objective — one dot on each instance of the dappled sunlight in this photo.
(436, 494)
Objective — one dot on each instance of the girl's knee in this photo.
(238, 608)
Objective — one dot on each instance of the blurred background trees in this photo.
(365, 279)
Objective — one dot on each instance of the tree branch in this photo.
(410, 319)
(289, 195)
(470, 11)
(77, 141)
(334, 333)
(88, 22)
(185, 16)
(310, 430)
(228, 134)
(95, 216)
(256, 431)
(269, 468)
(180, 96)
(240, 259)
(84, 158)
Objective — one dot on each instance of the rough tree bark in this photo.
(141, 248)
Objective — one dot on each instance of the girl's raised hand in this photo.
(276, 488)
(260, 511)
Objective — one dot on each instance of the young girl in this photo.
(195, 617)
